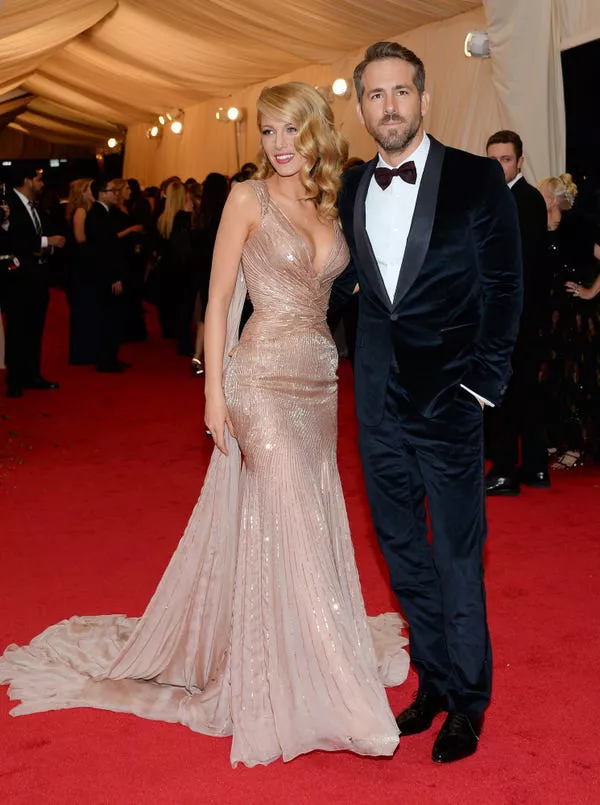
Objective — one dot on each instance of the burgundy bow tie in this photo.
(407, 171)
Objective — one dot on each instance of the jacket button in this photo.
(394, 317)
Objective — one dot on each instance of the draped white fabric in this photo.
(128, 60)
(526, 41)
(579, 21)
(92, 67)
(525, 48)
(31, 30)
(464, 109)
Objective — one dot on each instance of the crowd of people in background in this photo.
(115, 248)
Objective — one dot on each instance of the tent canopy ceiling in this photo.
(83, 69)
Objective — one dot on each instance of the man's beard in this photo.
(396, 140)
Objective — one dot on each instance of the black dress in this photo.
(140, 214)
(572, 374)
(183, 280)
(84, 303)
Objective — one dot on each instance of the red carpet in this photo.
(96, 483)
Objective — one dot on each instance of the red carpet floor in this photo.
(96, 484)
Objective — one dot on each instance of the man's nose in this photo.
(389, 103)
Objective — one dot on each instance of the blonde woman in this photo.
(258, 628)
(175, 200)
(83, 297)
(573, 375)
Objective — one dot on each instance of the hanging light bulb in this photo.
(111, 142)
(177, 127)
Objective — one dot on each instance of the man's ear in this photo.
(359, 112)
(425, 101)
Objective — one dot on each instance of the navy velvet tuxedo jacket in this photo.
(455, 313)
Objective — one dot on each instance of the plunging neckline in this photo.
(303, 240)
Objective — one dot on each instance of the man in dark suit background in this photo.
(522, 412)
(26, 288)
(435, 250)
(107, 267)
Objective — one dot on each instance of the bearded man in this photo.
(434, 243)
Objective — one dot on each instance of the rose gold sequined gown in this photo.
(257, 628)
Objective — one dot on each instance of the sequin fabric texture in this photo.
(257, 629)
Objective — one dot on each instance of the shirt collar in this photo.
(23, 198)
(106, 207)
(418, 156)
(515, 180)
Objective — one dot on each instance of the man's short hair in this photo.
(98, 186)
(507, 136)
(18, 175)
(381, 51)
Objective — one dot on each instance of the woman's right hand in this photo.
(216, 418)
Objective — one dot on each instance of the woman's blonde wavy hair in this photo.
(174, 201)
(563, 188)
(317, 140)
(76, 198)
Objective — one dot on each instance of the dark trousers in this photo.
(26, 308)
(522, 415)
(134, 323)
(111, 327)
(439, 584)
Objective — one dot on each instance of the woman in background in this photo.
(572, 376)
(181, 257)
(205, 224)
(167, 302)
(83, 291)
(140, 215)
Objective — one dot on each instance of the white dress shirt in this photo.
(389, 214)
(515, 180)
(388, 218)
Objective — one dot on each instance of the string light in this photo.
(339, 86)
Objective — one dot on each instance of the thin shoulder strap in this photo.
(262, 194)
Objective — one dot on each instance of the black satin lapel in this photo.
(363, 244)
(422, 222)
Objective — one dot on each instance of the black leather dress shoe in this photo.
(419, 716)
(537, 480)
(496, 485)
(14, 391)
(458, 738)
(41, 383)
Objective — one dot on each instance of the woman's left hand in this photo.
(577, 289)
